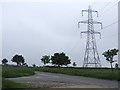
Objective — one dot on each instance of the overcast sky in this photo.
(37, 29)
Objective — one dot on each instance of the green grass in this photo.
(96, 73)
(12, 72)
(7, 84)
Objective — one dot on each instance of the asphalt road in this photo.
(65, 81)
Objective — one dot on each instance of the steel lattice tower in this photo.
(91, 57)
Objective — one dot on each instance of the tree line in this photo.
(61, 59)
(58, 59)
(18, 59)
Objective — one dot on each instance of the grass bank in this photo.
(8, 84)
(12, 72)
(87, 72)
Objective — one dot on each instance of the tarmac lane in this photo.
(53, 80)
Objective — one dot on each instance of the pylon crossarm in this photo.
(98, 33)
(95, 22)
(82, 22)
(83, 32)
(84, 11)
(96, 12)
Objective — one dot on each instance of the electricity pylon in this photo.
(91, 57)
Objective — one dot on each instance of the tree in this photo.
(74, 64)
(25, 65)
(116, 65)
(4, 61)
(109, 54)
(34, 65)
(45, 59)
(19, 59)
(60, 59)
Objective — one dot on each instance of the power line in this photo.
(73, 46)
(70, 50)
(109, 36)
(107, 10)
(110, 25)
(70, 41)
(106, 5)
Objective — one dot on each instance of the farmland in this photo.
(101, 73)
(10, 84)
(12, 72)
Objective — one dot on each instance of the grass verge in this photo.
(7, 84)
(87, 72)
(12, 72)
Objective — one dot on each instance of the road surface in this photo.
(65, 81)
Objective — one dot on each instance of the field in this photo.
(10, 84)
(87, 72)
(11, 72)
